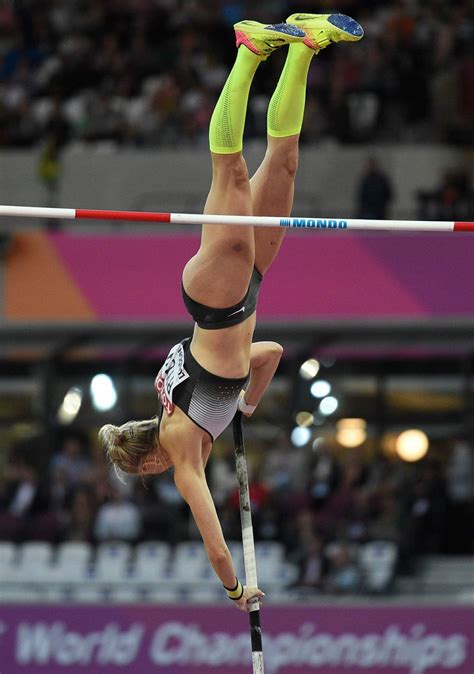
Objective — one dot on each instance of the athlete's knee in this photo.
(290, 161)
(284, 154)
(287, 160)
(231, 169)
(240, 174)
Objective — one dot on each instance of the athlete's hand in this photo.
(247, 410)
(249, 593)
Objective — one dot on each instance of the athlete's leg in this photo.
(225, 249)
(227, 252)
(273, 184)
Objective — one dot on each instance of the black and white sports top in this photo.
(207, 399)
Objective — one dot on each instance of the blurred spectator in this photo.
(163, 512)
(374, 193)
(387, 520)
(117, 519)
(23, 496)
(303, 530)
(56, 131)
(23, 504)
(312, 565)
(344, 576)
(222, 473)
(264, 516)
(272, 516)
(229, 518)
(72, 458)
(394, 85)
(59, 490)
(340, 505)
(360, 517)
(423, 508)
(49, 171)
(81, 515)
(460, 488)
(427, 507)
(452, 199)
(324, 475)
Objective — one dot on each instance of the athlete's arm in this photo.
(192, 486)
(184, 445)
(264, 359)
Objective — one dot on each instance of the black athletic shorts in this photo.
(216, 319)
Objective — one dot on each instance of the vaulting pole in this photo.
(248, 544)
(323, 224)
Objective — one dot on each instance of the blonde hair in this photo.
(126, 446)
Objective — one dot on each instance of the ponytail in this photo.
(127, 446)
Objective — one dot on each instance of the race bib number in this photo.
(170, 376)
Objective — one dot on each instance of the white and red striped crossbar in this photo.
(249, 220)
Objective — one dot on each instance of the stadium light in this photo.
(412, 445)
(103, 393)
(69, 408)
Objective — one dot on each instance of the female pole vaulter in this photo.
(207, 377)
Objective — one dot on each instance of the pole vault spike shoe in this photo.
(263, 39)
(324, 29)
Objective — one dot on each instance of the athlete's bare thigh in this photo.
(219, 274)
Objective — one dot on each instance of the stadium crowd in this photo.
(147, 72)
(319, 505)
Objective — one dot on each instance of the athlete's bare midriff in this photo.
(225, 352)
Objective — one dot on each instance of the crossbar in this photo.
(322, 224)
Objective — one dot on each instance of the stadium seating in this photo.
(150, 565)
(7, 558)
(190, 564)
(111, 563)
(34, 563)
(445, 575)
(270, 557)
(72, 563)
(118, 572)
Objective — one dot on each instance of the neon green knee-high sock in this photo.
(228, 119)
(286, 109)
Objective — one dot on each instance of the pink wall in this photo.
(215, 640)
(317, 275)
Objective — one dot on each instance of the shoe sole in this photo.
(286, 29)
(345, 24)
(280, 31)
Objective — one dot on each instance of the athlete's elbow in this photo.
(275, 351)
(219, 557)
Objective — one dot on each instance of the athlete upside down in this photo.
(202, 378)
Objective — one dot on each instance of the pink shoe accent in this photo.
(310, 43)
(241, 38)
